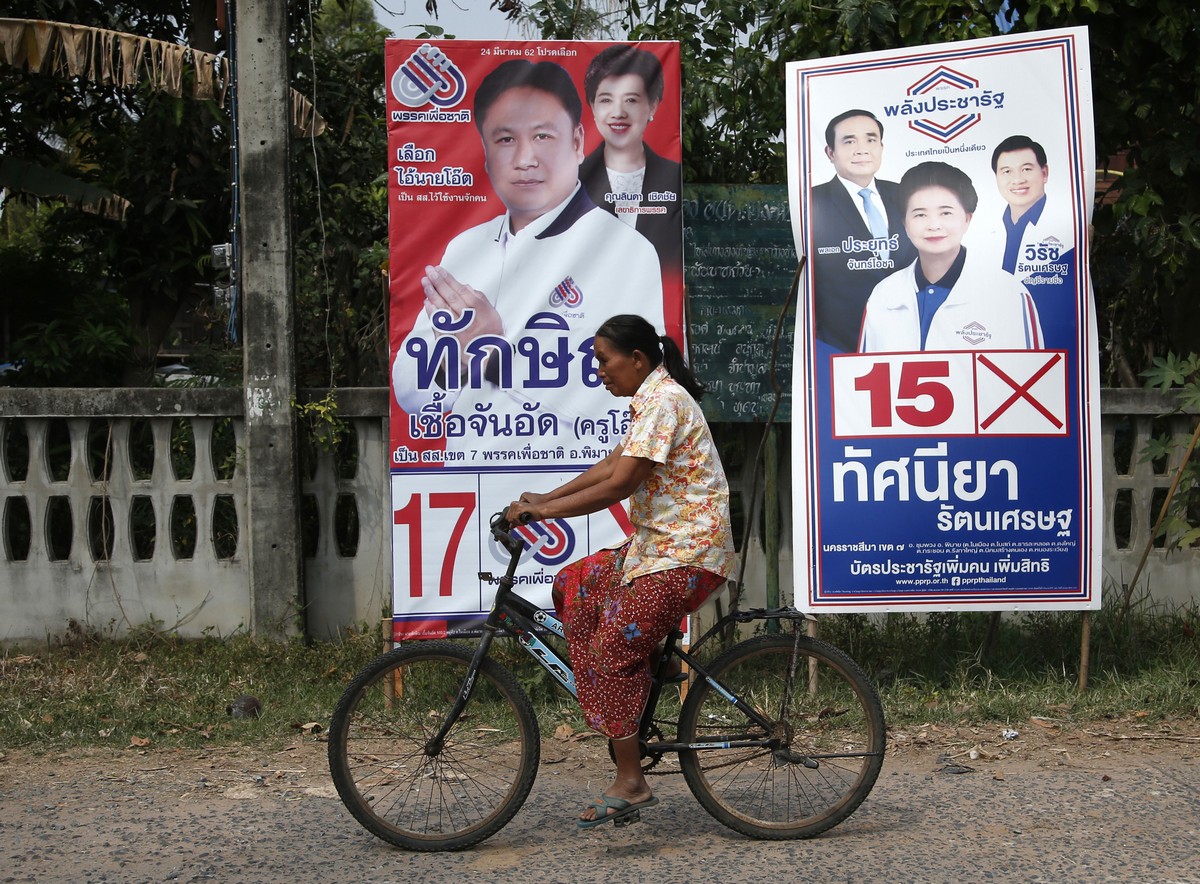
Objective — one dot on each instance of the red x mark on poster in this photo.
(1021, 391)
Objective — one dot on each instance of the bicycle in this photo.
(435, 746)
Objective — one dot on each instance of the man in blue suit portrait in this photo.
(858, 235)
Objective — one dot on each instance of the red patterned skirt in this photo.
(613, 629)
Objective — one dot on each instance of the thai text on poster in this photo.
(946, 339)
(534, 191)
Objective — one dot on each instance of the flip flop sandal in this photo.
(623, 812)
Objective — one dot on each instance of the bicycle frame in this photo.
(520, 618)
(778, 735)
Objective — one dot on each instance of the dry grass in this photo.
(156, 689)
(86, 690)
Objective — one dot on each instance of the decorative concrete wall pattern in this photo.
(120, 508)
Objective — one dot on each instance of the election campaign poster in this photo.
(947, 454)
(534, 192)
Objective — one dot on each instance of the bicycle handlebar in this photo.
(501, 529)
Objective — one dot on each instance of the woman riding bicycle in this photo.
(617, 605)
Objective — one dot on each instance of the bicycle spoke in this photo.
(826, 738)
(461, 794)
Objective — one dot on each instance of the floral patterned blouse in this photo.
(680, 514)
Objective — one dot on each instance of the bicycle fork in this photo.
(435, 743)
(490, 626)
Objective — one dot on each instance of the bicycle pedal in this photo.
(635, 817)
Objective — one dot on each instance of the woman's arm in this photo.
(610, 481)
(597, 472)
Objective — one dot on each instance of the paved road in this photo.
(1095, 811)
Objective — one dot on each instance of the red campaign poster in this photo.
(534, 192)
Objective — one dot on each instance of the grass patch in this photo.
(958, 668)
(86, 690)
(949, 667)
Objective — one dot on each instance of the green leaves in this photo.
(1146, 75)
(82, 348)
(340, 209)
(1181, 526)
(161, 162)
(1173, 371)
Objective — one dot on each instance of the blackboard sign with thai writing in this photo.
(740, 260)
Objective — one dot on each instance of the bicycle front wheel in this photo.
(417, 795)
(826, 738)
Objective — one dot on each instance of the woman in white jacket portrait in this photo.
(946, 299)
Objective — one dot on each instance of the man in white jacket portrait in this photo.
(1031, 232)
(510, 311)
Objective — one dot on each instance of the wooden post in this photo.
(810, 626)
(771, 521)
(394, 685)
(1085, 650)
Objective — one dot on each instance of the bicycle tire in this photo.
(832, 738)
(457, 797)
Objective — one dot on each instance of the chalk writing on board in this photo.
(739, 264)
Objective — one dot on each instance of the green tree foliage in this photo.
(340, 202)
(168, 157)
(1146, 253)
(1146, 87)
(98, 294)
(67, 326)
(91, 299)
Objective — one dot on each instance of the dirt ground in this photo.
(1040, 800)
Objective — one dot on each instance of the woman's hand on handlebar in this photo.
(521, 511)
(526, 508)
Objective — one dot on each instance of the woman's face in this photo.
(936, 221)
(622, 110)
(622, 373)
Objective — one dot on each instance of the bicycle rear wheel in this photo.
(827, 729)
(416, 796)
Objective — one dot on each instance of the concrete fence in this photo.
(123, 508)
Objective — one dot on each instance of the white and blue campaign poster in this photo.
(534, 192)
(947, 453)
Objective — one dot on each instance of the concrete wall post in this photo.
(268, 318)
